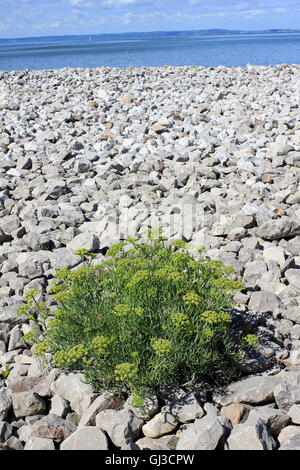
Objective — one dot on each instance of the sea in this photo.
(149, 50)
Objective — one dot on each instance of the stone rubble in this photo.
(91, 156)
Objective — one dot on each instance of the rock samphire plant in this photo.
(149, 316)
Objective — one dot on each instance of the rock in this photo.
(86, 240)
(62, 257)
(294, 413)
(236, 413)
(23, 384)
(39, 443)
(5, 402)
(288, 432)
(255, 390)
(6, 430)
(59, 406)
(274, 253)
(274, 419)
(277, 229)
(186, 408)
(120, 425)
(149, 409)
(72, 388)
(208, 433)
(161, 443)
(27, 404)
(286, 395)
(86, 438)
(52, 427)
(14, 443)
(293, 443)
(293, 278)
(43, 386)
(264, 302)
(162, 423)
(99, 404)
(251, 435)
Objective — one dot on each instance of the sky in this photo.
(27, 18)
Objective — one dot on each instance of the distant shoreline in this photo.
(153, 34)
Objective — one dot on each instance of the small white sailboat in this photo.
(90, 39)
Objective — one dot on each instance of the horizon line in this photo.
(269, 30)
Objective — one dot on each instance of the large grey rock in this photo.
(161, 443)
(86, 438)
(53, 427)
(6, 430)
(293, 277)
(27, 404)
(251, 435)
(120, 425)
(89, 415)
(274, 419)
(294, 413)
(264, 302)
(86, 240)
(186, 408)
(254, 390)
(280, 228)
(293, 443)
(286, 395)
(162, 423)
(72, 388)
(39, 443)
(287, 432)
(5, 402)
(62, 257)
(208, 433)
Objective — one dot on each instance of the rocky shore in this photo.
(89, 156)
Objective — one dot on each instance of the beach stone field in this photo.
(212, 155)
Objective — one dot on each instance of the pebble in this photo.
(89, 158)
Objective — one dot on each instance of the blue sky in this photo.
(21, 18)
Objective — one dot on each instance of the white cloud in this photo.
(120, 3)
(241, 6)
(280, 11)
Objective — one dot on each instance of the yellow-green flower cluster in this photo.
(77, 353)
(23, 309)
(30, 295)
(138, 278)
(251, 340)
(62, 273)
(53, 324)
(115, 249)
(42, 348)
(211, 317)
(61, 295)
(165, 273)
(138, 311)
(180, 320)
(64, 358)
(81, 252)
(30, 338)
(161, 346)
(60, 358)
(125, 371)
(121, 309)
(191, 298)
(179, 244)
(99, 344)
(79, 273)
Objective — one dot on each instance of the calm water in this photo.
(85, 51)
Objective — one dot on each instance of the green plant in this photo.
(149, 316)
(4, 374)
